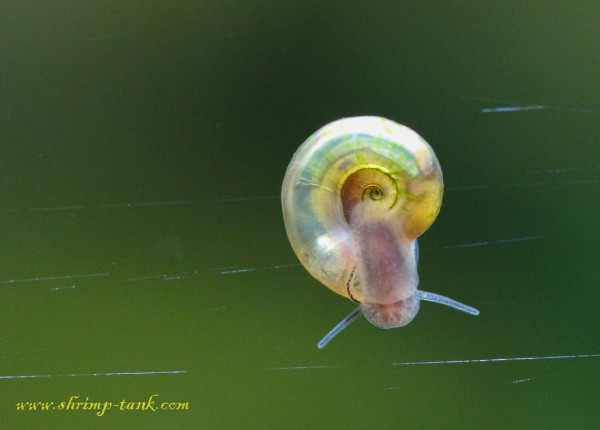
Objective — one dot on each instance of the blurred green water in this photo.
(142, 152)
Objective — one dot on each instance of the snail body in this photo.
(356, 196)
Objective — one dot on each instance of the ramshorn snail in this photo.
(355, 197)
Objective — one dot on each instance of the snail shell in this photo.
(355, 197)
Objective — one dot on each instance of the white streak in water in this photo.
(221, 271)
(70, 375)
(518, 381)
(165, 276)
(497, 360)
(236, 271)
(304, 367)
(252, 269)
(488, 242)
(68, 287)
(476, 360)
(524, 105)
(554, 171)
(513, 108)
(146, 204)
(54, 278)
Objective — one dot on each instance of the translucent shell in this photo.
(355, 197)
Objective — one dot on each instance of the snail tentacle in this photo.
(350, 318)
(446, 301)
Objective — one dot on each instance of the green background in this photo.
(143, 146)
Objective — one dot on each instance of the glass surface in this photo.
(142, 150)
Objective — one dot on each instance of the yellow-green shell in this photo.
(392, 186)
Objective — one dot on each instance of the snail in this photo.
(355, 197)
